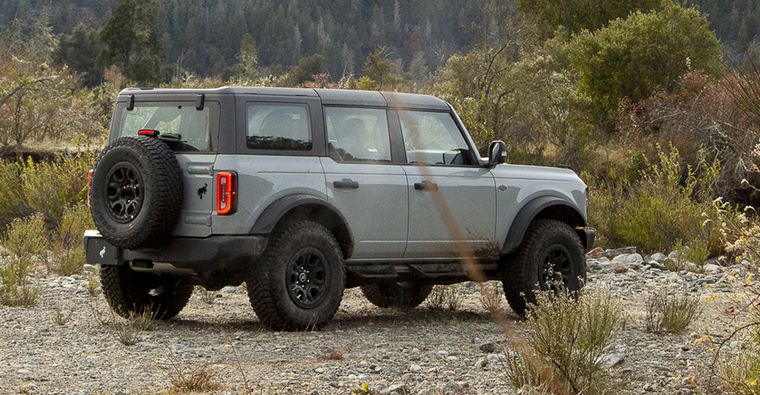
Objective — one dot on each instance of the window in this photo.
(358, 134)
(274, 126)
(178, 119)
(433, 138)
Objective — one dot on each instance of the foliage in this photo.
(445, 297)
(25, 239)
(187, 379)
(68, 251)
(665, 205)
(631, 57)
(49, 187)
(577, 15)
(247, 67)
(671, 313)
(567, 341)
(131, 41)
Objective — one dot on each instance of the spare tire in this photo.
(136, 192)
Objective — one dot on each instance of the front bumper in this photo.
(588, 237)
(206, 254)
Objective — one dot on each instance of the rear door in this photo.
(364, 182)
(198, 131)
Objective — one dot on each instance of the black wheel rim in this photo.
(124, 192)
(307, 278)
(556, 269)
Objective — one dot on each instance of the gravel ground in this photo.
(423, 351)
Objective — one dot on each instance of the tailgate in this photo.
(198, 204)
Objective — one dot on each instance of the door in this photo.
(364, 183)
(449, 192)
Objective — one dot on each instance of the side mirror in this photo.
(497, 153)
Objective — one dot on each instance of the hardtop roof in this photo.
(328, 96)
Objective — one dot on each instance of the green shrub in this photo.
(50, 187)
(671, 313)
(68, 251)
(25, 239)
(12, 203)
(567, 341)
(666, 204)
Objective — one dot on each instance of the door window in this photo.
(433, 138)
(275, 126)
(358, 134)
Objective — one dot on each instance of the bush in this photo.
(25, 239)
(665, 205)
(445, 296)
(68, 250)
(567, 341)
(51, 187)
(671, 313)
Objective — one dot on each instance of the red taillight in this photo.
(148, 132)
(226, 192)
(89, 182)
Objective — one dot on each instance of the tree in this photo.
(633, 56)
(247, 67)
(576, 15)
(379, 68)
(79, 50)
(131, 41)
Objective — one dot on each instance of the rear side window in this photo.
(181, 119)
(357, 134)
(274, 126)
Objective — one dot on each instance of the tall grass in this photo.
(25, 241)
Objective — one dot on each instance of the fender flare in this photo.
(528, 213)
(272, 215)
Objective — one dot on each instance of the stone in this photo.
(415, 368)
(712, 268)
(394, 389)
(628, 259)
(611, 360)
(619, 267)
(482, 362)
(658, 257)
(692, 267)
(657, 265)
(615, 252)
(488, 347)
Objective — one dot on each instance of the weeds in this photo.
(68, 250)
(491, 299)
(93, 283)
(126, 330)
(201, 378)
(59, 316)
(207, 297)
(671, 313)
(24, 239)
(567, 341)
(445, 296)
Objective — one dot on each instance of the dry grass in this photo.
(671, 313)
(445, 297)
(331, 354)
(491, 297)
(68, 251)
(93, 283)
(59, 316)
(126, 330)
(25, 240)
(207, 297)
(187, 379)
(567, 341)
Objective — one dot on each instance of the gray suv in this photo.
(301, 193)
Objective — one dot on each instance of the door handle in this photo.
(346, 183)
(425, 186)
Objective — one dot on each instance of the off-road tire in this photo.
(161, 199)
(129, 292)
(268, 289)
(389, 293)
(521, 273)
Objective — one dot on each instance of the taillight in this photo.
(148, 132)
(226, 192)
(89, 182)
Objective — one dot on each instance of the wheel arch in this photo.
(303, 206)
(544, 207)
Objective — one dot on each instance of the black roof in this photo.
(328, 96)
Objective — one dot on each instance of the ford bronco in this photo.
(302, 193)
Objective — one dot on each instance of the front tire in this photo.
(129, 292)
(298, 283)
(550, 258)
(389, 293)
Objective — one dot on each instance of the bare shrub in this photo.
(671, 313)
(445, 297)
(491, 297)
(59, 316)
(200, 378)
(567, 341)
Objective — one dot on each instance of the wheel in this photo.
(550, 258)
(388, 293)
(298, 283)
(129, 292)
(136, 192)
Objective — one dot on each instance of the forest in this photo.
(655, 103)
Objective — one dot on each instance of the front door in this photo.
(364, 183)
(450, 195)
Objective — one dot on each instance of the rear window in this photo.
(181, 119)
(278, 127)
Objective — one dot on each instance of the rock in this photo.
(415, 368)
(628, 259)
(712, 268)
(657, 265)
(594, 266)
(453, 387)
(394, 389)
(692, 267)
(615, 252)
(706, 280)
(619, 267)
(611, 360)
(482, 363)
(496, 358)
(635, 266)
(488, 347)
(658, 257)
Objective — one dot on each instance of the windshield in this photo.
(183, 120)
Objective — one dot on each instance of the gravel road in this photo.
(422, 351)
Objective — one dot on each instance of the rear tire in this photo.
(389, 293)
(129, 292)
(550, 258)
(298, 283)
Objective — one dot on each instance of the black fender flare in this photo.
(271, 216)
(529, 212)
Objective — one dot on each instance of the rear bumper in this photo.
(207, 254)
